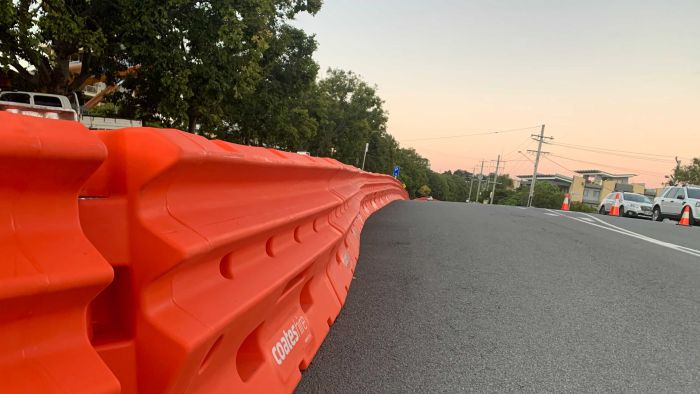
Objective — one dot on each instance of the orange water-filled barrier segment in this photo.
(195, 265)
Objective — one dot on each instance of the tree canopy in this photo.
(233, 70)
(689, 173)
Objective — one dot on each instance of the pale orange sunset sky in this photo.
(618, 75)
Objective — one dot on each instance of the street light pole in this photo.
(471, 184)
(495, 179)
(478, 189)
(365, 156)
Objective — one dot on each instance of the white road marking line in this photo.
(589, 220)
(619, 230)
(552, 213)
(522, 207)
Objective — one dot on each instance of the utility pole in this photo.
(495, 179)
(365, 156)
(478, 189)
(471, 184)
(539, 138)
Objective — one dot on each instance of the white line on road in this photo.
(591, 220)
(551, 214)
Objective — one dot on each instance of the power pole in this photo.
(365, 156)
(478, 189)
(539, 138)
(471, 184)
(495, 179)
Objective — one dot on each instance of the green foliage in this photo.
(581, 207)
(517, 197)
(195, 59)
(547, 196)
(504, 188)
(424, 191)
(414, 169)
(38, 39)
(350, 114)
(107, 110)
(278, 111)
(686, 174)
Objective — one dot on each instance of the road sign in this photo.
(396, 171)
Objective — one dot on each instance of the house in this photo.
(591, 186)
(563, 182)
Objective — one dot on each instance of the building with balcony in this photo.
(563, 182)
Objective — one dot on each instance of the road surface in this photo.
(452, 297)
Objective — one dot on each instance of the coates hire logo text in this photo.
(290, 338)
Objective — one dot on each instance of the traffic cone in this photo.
(615, 210)
(565, 204)
(685, 219)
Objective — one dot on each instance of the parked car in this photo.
(42, 105)
(674, 200)
(631, 204)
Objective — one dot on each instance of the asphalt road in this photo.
(453, 297)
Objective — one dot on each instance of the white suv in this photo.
(674, 200)
(631, 204)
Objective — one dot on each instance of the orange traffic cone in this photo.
(565, 204)
(615, 210)
(685, 219)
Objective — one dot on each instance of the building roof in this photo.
(604, 174)
(547, 177)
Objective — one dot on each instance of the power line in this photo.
(617, 152)
(606, 165)
(614, 150)
(525, 142)
(472, 135)
(547, 158)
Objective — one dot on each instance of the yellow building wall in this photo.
(607, 188)
(576, 189)
(638, 188)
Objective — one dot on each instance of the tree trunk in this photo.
(192, 124)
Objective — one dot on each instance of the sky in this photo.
(619, 80)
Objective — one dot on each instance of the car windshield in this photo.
(636, 198)
(694, 192)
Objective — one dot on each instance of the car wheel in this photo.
(602, 210)
(656, 215)
(691, 219)
(622, 212)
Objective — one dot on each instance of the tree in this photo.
(39, 39)
(438, 185)
(348, 112)
(193, 57)
(424, 191)
(196, 57)
(414, 170)
(547, 196)
(457, 186)
(277, 112)
(503, 190)
(686, 174)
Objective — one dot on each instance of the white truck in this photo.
(55, 106)
(43, 105)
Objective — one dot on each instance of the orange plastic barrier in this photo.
(231, 262)
(49, 271)
(152, 261)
